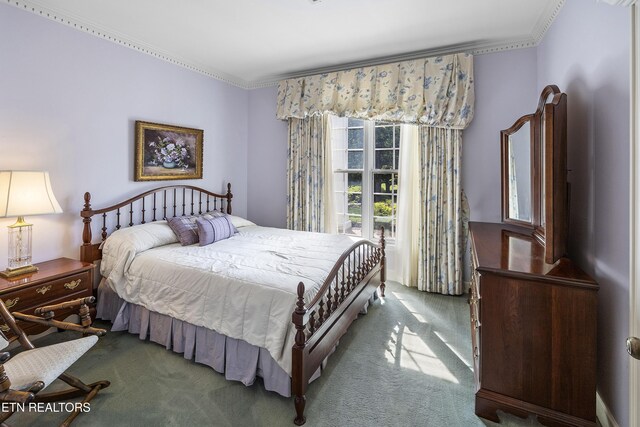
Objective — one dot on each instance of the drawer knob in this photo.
(43, 290)
(73, 284)
(4, 327)
(11, 302)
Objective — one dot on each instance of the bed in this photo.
(284, 297)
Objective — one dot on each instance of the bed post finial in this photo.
(229, 197)
(383, 262)
(87, 201)
(298, 382)
(85, 250)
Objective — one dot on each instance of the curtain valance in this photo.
(435, 91)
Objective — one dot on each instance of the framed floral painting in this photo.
(166, 152)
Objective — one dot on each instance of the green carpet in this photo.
(406, 363)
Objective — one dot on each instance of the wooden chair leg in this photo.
(55, 396)
(74, 382)
(94, 391)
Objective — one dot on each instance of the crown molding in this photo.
(476, 48)
(546, 19)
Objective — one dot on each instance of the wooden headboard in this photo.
(157, 204)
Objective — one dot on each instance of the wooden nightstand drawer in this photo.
(56, 281)
(42, 294)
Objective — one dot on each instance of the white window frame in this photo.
(368, 172)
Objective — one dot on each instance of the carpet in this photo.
(406, 363)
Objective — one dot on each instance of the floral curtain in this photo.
(444, 212)
(309, 156)
(435, 91)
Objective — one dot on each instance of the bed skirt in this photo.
(236, 359)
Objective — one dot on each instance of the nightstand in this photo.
(56, 281)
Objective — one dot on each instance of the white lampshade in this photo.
(26, 193)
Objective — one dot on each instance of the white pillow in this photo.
(240, 222)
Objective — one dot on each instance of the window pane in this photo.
(353, 226)
(384, 182)
(383, 205)
(384, 159)
(397, 137)
(356, 122)
(355, 198)
(389, 228)
(353, 223)
(384, 136)
(396, 160)
(355, 205)
(356, 138)
(355, 160)
(355, 179)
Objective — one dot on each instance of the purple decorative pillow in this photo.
(213, 229)
(185, 227)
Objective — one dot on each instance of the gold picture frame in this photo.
(165, 152)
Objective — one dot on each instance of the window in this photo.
(365, 164)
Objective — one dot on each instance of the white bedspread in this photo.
(243, 287)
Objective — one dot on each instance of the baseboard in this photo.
(605, 418)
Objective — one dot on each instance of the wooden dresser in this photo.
(533, 329)
(56, 281)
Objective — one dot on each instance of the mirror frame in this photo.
(548, 174)
(556, 188)
(535, 165)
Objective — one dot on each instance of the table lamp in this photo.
(24, 193)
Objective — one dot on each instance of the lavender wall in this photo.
(586, 53)
(267, 160)
(505, 90)
(68, 103)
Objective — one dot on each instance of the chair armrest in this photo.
(18, 396)
(47, 310)
(58, 324)
(47, 313)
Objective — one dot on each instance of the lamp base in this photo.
(7, 274)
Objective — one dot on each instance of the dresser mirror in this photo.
(534, 172)
(518, 172)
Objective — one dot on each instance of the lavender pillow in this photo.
(213, 229)
(185, 227)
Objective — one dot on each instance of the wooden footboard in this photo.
(320, 323)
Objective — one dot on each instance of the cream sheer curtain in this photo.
(408, 206)
(435, 93)
(310, 176)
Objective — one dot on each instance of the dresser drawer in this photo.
(43, 294)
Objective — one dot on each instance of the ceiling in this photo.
(254, 43)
